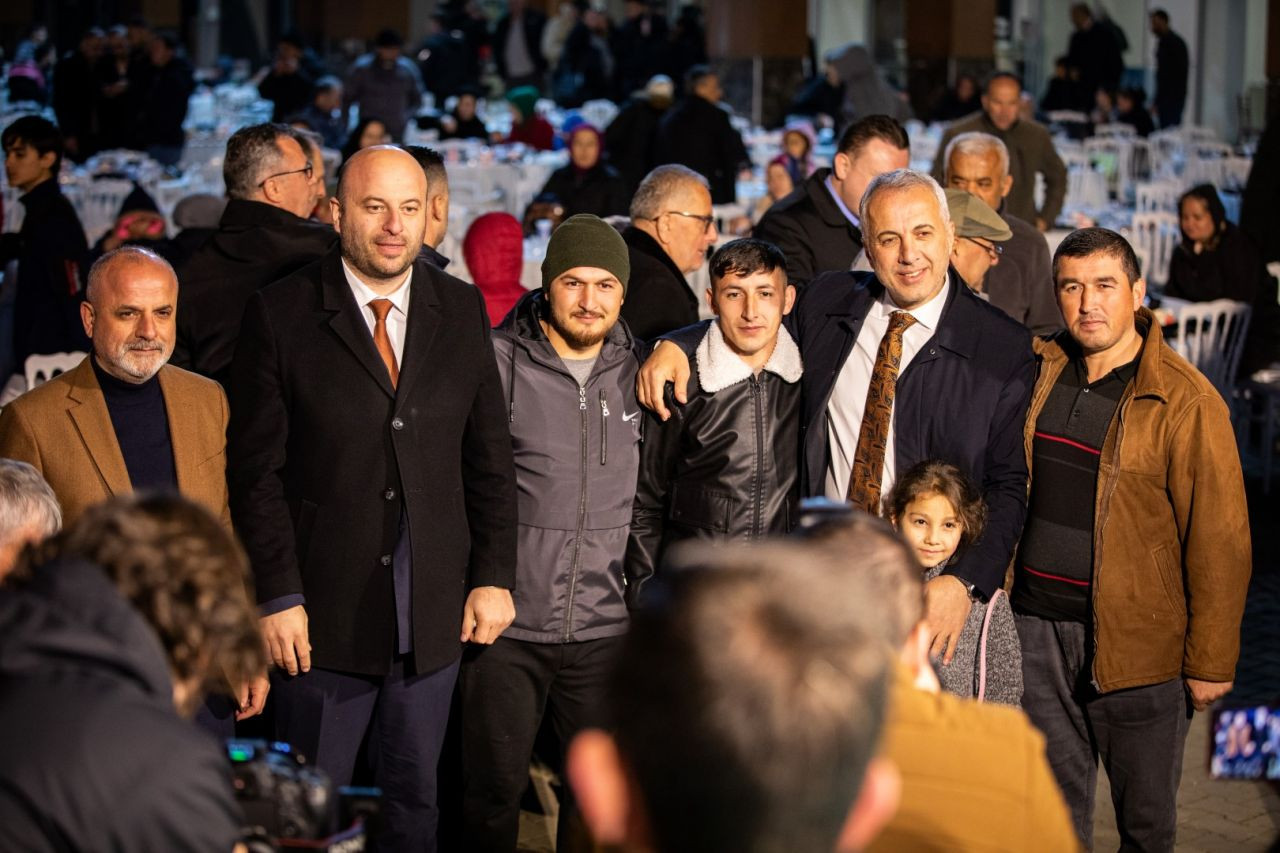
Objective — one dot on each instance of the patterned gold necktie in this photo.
(873, 437)
(381, 340)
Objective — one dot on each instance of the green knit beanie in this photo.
(586, 241)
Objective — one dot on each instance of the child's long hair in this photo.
(934, 477)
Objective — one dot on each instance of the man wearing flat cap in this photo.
(980, 238)
(568, 367)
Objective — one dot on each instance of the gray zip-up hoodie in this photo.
(576, 455)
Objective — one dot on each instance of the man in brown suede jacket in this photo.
(1131, 574)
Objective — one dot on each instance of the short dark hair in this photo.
(748, 697)
(388, 38)
(1001, 75)
(745, 256)
(882, 127)
(38, 133)
(327, 83)
(251, 152)
(292, 37)
(183, 571)
(432, 166)
(1098, 241)
(695, 75)
(1161, 14)
(935, 477)
(169, 38)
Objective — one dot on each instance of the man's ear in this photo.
(86, 319)
(335, 213)
(600, 784)
(1006, 184)
(1139, 292)
(711, 300)
(840, 165)
(876, 803)
(47, 159)
(788, 299)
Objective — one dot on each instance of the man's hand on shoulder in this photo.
(667, 363)
(487, 613)
(946, 608)
(1205, 693)
(287, 640)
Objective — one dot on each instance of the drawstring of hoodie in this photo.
(511, 386)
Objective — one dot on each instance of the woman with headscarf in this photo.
(587, 184)
(526, 125)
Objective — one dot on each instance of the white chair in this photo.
(1211, 336)
(39, 369)
(1115, 129)
(1236, 172)
(1157, 195)
(1157, 233)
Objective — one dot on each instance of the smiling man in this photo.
(902, 365)
(125, 420)
(724, 465)
(369, 464)
(568, 366)
(1131, 575)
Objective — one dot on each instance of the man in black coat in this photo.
(372, 483)
(1094, 52)
(263, 236)
(816, 227)
(517, 46)
(74, 81)
(670, 232)
(166, 92)
(50, 248)
(1172, 66)
(963, 383)
(630, 138)
(697, 133)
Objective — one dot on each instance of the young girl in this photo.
(939, 512)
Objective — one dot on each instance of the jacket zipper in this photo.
(1108, 489)
(582, 515)
(757, 483)
(604, 429)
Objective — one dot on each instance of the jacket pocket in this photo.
(701, 509)
(1170, 578)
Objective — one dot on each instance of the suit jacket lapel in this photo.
(348, 321)
(424, 322)
(182, 435)
(88, 411)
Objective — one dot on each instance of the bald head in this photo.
(380, 213)
(130, 313)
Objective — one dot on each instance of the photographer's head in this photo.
(186, 575)
(747, 702)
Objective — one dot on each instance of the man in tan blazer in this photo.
(124, 420)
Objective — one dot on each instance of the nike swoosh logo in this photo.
(630, 417)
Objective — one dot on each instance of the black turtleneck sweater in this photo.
(142, 430)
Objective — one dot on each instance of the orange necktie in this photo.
(381, 340)
(873, 437)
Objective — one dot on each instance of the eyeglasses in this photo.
(993, 249)
(307, 170)
(707, 221)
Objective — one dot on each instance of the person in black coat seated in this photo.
(959, 101)
(1131, 109)
(109, 642)
(587, 184)
(1215, 260)
(463, 123)
(671, 230)
(263, 236)
(632, 135)
(286, 82)
(697, 133)
(50, 248)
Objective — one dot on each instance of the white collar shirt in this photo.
(397, 317)
(849, 395)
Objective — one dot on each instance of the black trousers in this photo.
(327, 715)
(506, 688)
(1139, 733)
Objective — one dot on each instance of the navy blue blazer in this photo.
(962, 399)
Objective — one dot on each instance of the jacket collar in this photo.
(41, 196)
(433, 257)
(1055, 352)
(719, 366)
(815, 186)
(247, 213)
(646, 245)
(349, 323)
(93, 422)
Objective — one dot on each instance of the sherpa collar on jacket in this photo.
(719, 366)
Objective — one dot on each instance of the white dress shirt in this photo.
(849, 396)
(397, 317)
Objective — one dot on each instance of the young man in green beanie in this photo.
(568, 366)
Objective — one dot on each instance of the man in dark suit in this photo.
(697, 133)
(517, 45)
(264, 235)
(958, 388)
(816, 226)
(372, 484)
